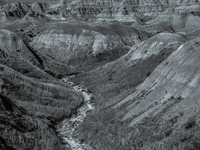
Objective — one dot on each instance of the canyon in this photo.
(99, 75)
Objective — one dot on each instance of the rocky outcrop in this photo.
(177, 19)
(21, 11)
(118, 10)
(16, 10)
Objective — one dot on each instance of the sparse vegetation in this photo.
(141, 68)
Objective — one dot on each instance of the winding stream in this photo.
(67, 127)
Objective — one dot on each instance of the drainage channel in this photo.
(68, 126)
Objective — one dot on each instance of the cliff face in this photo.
(116, 10)
(119, 10)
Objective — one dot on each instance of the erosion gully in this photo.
(68, 126)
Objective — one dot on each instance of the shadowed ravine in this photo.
(68, 126)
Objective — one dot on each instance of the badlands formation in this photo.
(99, 75)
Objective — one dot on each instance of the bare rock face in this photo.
(123, 11)
(39, 7)
(3, 17)
(16, 10)
(72, 45)
(117, 10)
(66, 42)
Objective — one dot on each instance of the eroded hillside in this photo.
(138, 62)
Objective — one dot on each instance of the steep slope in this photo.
(17, 46)
(16, 10)
(130, 69)
(168, 102)
(19, 86)
(178, 19)
(45, 102)
(178, 75)
(116, 10)
(114, 81)
(39, 7)
(75, 42)
(22, 130)
(23, 66)
(131, 54)
(34, 18)
(14, 45)
(3, 17)
(123, 11)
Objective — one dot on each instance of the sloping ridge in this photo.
(169, 99)
(14, 45)
(17, 45)
(46, 101)
(31, 50)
